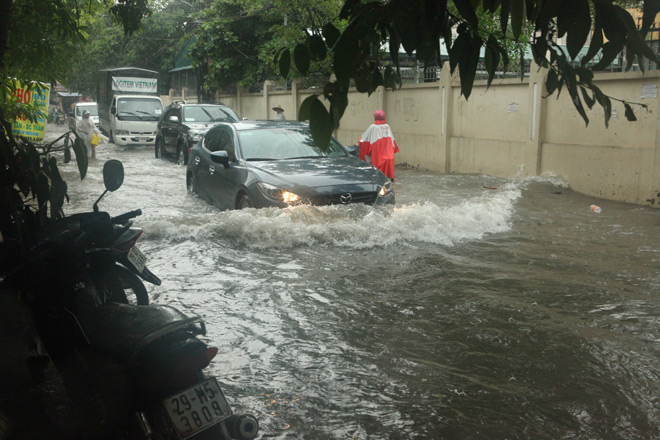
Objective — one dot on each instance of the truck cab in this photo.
(133, 119)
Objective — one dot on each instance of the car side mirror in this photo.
(354, 150)
(113, 110)
(174, 119)
(220, 157)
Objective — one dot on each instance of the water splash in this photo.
(354, 226)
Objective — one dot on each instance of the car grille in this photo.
(368, 198)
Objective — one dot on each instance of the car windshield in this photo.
(209, 113)
(284, 143)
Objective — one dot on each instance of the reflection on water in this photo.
(476, 308)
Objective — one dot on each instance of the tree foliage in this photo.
(154, 47)
(420, 26)
(237, 40)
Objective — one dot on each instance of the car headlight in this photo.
(122, 132)
(279, 194)
(385, 189)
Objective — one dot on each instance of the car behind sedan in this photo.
(276, 163)
(184, 124)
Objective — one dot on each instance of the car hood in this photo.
(322, 175)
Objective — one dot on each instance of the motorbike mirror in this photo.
(113, 174)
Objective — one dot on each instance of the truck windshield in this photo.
(139, 109)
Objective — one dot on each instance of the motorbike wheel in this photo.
(134, 291)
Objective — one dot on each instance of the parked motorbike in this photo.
(141, 368)
(130, 265)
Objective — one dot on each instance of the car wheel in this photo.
(191, 183)
(158, 148)
(244, 201)
(181, 156)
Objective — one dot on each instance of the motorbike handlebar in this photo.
(125, 217)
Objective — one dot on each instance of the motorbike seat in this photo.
(123, 330)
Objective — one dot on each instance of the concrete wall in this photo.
(509, 129)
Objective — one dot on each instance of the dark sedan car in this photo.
(276, 163)
(184, 124)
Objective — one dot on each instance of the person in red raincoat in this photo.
(378, 143)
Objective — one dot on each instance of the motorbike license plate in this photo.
(137, 258)
(197, 408)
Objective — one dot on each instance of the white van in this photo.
(91, 107)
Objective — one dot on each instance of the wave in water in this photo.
(354, 226)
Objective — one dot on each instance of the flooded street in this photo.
(462, 313)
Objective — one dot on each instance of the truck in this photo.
(128, 104)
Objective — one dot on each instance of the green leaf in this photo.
(491, 5)
(571, 85)
(285, 63)
(305, 111)
(467, 11)
(492, 58)
(57, 196)
(376, 79)
(651, 9)
(331, 34)
(80, 150)
(43, 195)
(596, 41)
(552, 82)
(363, 82)
(579, 27)
(585, 74)
(604, 102)
(630, 114)
(517, 16)
(589, 100)
(613, 28)
(345, 59)
(391, 80)
(467, 66)
(408, 32)
(460, 45)
(504, 14)
(394, 44)
(320, 124)
(635, 43)
(338, 104)
(349, 8)
(301, 58)
(610, 51)
(317, 48)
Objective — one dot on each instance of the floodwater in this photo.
(462, 313)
